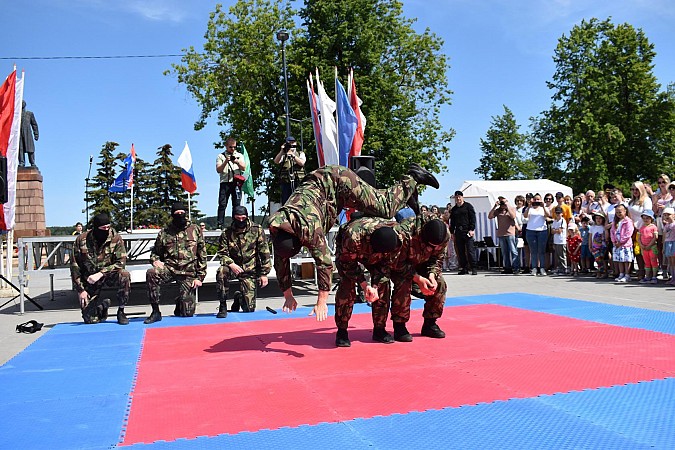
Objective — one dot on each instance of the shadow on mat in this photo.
(317, 338)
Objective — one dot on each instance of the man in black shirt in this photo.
(462, 229)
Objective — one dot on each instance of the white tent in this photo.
(482, 194)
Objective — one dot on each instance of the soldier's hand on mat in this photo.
(371, 294)
(84, 296)
(158, 264)
(263, 281)
(289, 304)
(93, 279)
(236, 269)
(196, 283)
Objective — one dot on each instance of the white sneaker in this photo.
(542, 272)
(619, 278)
(626, 278)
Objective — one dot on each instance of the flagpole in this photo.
(131, 206)
(189, 206)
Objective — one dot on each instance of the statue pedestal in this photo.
(30, 204)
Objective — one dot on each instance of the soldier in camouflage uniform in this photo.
(308, 215)
(368, 243)
(99, 257)
(244, 254)
(423, 249)
(179, 254)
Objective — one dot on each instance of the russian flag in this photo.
(187, 175)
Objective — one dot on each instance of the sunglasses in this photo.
(662, 182)
(671, 188)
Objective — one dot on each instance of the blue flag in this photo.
(347, 123)
(126, 178)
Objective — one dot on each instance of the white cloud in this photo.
(154, 10)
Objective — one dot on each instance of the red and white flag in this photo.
(11, 95)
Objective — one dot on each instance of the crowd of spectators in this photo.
(603, 234)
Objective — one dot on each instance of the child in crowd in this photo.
(648, 235)
(573, 247)
(621, 234)
(586, 255)
(668, 218)
(598, 238)
(559, 232)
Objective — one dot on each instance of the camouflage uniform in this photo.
(183, 253)
(353, 254)
(109, 259)
(248, 248)
(424, 260)
(313, 209)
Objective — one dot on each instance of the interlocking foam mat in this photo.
(515, 371)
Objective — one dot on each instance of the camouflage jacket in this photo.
(247, 248)
(89, 259)
(313, 209)
(424, 259)
(182, 251)
(353, 251)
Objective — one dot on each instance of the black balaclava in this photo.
(179, 220)
(384, 240)
(285, 244)
(99, 221)
(434, 232)
(239, 211)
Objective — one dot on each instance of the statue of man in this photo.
(29, 127)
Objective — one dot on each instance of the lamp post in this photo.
(86, 188)
(283, 36)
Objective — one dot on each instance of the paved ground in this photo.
(63, 305)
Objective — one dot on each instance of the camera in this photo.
(502, 203)
(233, 158)
(537, 204)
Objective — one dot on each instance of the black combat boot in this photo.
(155, 315)
(423, 176)
(401, 333)
(89, 313)
(121, 317)
(381, 335)
(342, 338)
(102, 309)
(235, 305)
(430, 329)
(222, 310)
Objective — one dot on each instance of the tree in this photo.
(503, 150)
(401, 77)
(608, 121)
(166, 187)
(99, 198)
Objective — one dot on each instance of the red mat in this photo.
(227, 378)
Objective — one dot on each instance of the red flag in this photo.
(355, 102)
(7, 97)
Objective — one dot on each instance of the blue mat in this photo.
(70, 389)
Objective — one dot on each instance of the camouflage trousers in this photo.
(155, 277)
(400, 303)
(248, 286)
(356, 193)
(119, 278)
(346, 296)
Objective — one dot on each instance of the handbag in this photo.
(239, 180)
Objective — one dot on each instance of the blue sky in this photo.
(500, 53)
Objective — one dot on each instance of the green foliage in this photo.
(503, 151)
(608, 121)
(400, 75)
(99, 199)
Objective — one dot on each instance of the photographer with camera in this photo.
(231, 165)
(292, 161)
(507, 230)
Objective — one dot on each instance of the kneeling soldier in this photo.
(99, 257)
(179, 254)
(244, 254)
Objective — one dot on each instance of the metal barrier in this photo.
(55, 252)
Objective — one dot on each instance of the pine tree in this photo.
(99, 200)
(164, 178)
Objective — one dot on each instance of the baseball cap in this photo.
(559, 194)
(459, 194)
(668, 210)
